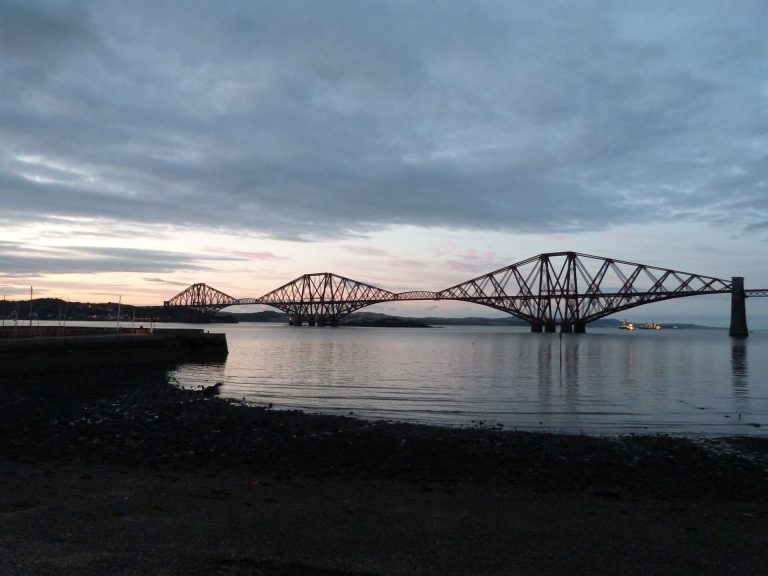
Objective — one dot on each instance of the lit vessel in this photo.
(626, 326)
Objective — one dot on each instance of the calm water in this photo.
(608, 381)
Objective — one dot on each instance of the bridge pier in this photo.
(565, 327)
(738, 309)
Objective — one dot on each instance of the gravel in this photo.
(217, 487)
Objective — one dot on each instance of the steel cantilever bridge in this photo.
(565, 289)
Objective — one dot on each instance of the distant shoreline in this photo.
(55, 309)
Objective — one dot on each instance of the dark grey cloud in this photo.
(22, 260)
(43, 31)
(318, 119)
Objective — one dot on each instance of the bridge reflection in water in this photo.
(565, 289)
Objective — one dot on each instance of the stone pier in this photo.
(575, 327)
(84, 349)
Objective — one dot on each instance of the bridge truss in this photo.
(570, 289)
(324, 298)
(566, 289)
(202, 298)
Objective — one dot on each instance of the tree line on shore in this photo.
(58, 309)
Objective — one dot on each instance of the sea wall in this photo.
(83, 351)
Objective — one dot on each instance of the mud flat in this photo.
(119, 472)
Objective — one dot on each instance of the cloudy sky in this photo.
(148, 145)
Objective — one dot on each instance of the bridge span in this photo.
(565, 289)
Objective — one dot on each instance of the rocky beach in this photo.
(121, 472)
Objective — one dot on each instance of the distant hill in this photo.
(382, 321)
(379, 319)
(56, 308)
(266, 316)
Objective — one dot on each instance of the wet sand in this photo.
(122, 473)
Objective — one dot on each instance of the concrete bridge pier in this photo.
(550, 327)
(738, 309)
(536, 326)
(579, 328)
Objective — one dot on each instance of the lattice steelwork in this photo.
(323, 298)
(756, 293)
(417, 295)
(560, 288)
(571, 289)
(202, 298)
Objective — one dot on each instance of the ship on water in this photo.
(647, 326)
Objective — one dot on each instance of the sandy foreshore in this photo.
(122, 473)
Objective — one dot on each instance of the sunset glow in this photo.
(143, 150)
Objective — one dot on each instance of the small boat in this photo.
(626, 325)
(651, 326)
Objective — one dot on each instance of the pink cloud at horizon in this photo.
(367, 251)
(243, 254)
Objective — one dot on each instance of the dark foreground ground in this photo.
(121, 473)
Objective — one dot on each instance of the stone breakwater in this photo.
(89, 348)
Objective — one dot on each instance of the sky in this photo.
(413, 145)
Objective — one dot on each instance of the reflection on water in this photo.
(739, 363)
(604, 382)
(740, 371)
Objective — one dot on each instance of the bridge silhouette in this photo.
(565, 289)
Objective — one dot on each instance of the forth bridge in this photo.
(565, 289)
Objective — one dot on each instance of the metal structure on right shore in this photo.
(565, 289)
